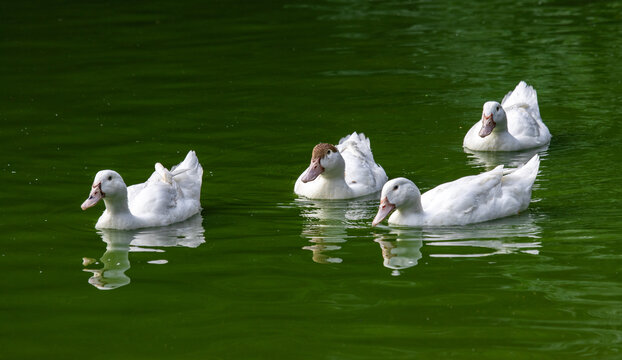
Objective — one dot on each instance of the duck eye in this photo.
(497, 108)
(395, 187)
(110, 178)
(328, 152)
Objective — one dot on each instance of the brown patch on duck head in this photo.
(320, 150)
(315, 168)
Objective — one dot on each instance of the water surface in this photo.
(252, 87)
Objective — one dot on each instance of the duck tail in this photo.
(526, 174)
(354, 137)
(191, 162)
(522, 95)
(188, 175)
(190, 168)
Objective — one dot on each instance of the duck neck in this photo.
(412, 207)
(336, 177)
(501, 126)
(336, 170)
(409, 213)
(117, 205)
(336, 185)
(500, 136)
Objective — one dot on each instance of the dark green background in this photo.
(252, 86)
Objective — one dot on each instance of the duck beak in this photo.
(313, 171)
(488, 124)
(95, 195)
(384, 209)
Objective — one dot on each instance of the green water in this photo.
(252, 86)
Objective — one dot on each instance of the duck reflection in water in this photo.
(401, 247)
(327, 223)
(119, 243)
(515, 234)
(488, 160)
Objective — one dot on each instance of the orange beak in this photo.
(95, 195)
(488, 124)
(384, 209)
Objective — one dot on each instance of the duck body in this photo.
(471, 199)
(345, 171)
(165, 198)
(514, 124)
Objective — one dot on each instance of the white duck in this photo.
(513, 125)
(470, 199)
(344, 171)
(166, 197)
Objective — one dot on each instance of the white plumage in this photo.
(345, 171)
(470, 199)
(513, 125)
(165, 198)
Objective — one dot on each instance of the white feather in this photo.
(361, 176)
(165, 198)
(471, 199)
(525, 128)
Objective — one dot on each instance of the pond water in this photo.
(252, 86)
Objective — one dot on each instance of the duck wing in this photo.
(169, 196)
(523, 113)
(361, 169)
(466, 200)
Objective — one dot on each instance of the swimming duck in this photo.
(513, 125)
(344, 171)
(166, 197)
(470, 199)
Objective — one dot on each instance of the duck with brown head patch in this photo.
(345, 171)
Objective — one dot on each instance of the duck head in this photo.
(107, 184)
(325, 160)
(493, 115)
(397, 193)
